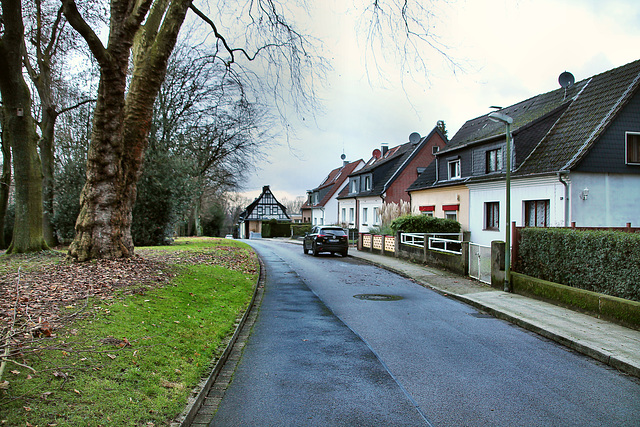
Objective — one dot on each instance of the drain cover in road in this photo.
(378, 297)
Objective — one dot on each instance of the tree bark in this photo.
(5, 182)
(46, 145)
(20, 133)
(121, 126)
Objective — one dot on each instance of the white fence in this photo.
(441, 240)
(445, 245)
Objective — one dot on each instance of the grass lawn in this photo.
(128, 355)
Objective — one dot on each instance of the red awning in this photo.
(427, 208)
(450, 207)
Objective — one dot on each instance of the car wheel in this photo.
(304, 249)
(315, 250)
(345, 253)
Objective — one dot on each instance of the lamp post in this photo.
(496, 116)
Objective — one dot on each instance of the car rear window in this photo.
(333, 231)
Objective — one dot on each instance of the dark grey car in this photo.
(326, 238)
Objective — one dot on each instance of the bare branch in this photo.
(86, 101)
(76, 20)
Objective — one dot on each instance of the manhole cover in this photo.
(378, 297)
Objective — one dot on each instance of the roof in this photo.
(555, 130)
(426, 179)
(333, 182)
(397, 158)
(586, 118)
(265, 191)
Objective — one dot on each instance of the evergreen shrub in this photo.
(301, 229)
(273, 228)
(602, 261)
(424, 224)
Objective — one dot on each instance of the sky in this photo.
(504, 51)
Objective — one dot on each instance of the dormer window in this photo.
(454, 169)
(633, 148)
(354, 186)
(494, 160)
(367, 183)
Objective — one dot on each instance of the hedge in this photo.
(273, 228)
(601, 261)
(424, 224)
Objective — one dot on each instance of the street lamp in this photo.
(497, 116)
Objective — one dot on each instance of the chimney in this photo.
(385, 148)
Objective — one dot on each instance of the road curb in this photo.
(200, 392)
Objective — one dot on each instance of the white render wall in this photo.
(613, 200)
(522, 189)
(347, 204)
(369, 203)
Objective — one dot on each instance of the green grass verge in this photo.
(135, 361)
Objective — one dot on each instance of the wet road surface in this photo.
(319, 356)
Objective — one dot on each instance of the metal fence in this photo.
(480, 262)
(445, 245)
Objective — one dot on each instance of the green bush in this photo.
(300, 229)
(273, 228)
(602, 261)
(424, 224)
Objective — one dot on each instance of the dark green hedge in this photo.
(607, 262)
(300, 229)
(424, 224)
(273, 228)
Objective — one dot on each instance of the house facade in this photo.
(321, 207)
(575, 157)
(386, 178)
(264, 208)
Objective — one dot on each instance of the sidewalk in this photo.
(604, 341)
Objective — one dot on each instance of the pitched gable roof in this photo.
(333, 182)
(267, 196)
(558, 127)
(586, 118)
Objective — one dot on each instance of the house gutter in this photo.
(566, 199)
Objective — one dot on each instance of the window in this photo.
(376, 216)
(451, 215)
(351, 216)
(492, 216)
(536, 213)
(427, 210)
(494, 160)
(344, 215)
(633, 148)
(354, 186)
(364, 216)
(367, 183)
(454, 169)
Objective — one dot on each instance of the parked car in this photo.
(326, 238)
(229, 236)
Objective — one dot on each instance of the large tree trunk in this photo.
(121, 128)
(46, 145)
(20, 133)
(5, 182)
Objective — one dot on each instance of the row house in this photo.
(575, 157)
(321, 206)
(386, 178)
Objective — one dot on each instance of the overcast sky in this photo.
(508, 50)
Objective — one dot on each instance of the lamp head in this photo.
(500, 117)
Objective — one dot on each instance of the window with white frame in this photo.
(493, 160)
(367, 183)
(344, 215)
(354, 186)
(351, 215)
(451, 215)
(364, 215)
(454, 169)
(492, 216)
(536, 213)
(376, 216)
(633, 148)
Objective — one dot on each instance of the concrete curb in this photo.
(200, 392)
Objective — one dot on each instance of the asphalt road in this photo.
(327, 349)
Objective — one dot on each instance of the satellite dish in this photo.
(343, 156)
(376, 153)
(414, 138)
(566, 80)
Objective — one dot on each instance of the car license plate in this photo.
(333, 240)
